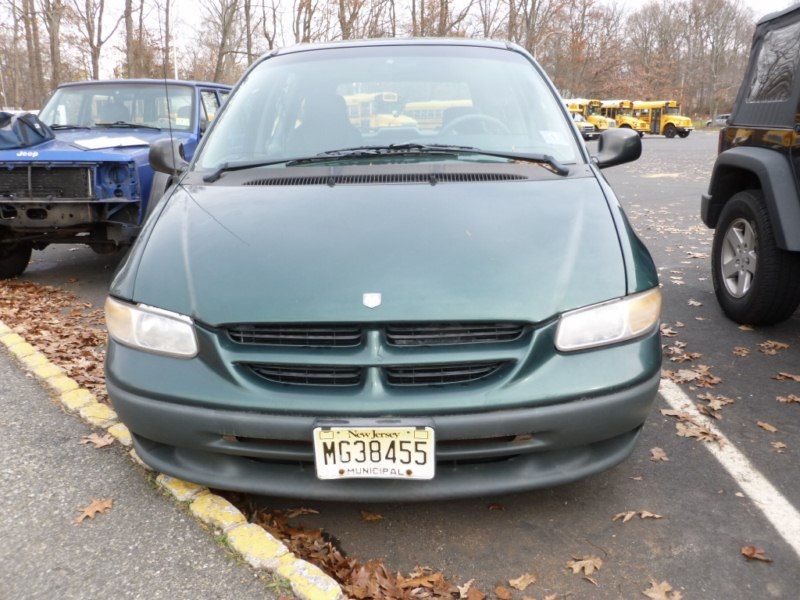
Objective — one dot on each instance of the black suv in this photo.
(753, 201)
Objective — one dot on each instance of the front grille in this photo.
(308, 374)
(443, 374)
(306, 336)
(385, 178)
(443, 334)
(43, 182)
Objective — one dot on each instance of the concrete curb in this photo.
(252, 543)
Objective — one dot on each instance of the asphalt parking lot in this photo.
(707, 514)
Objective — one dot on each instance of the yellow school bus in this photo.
(373, 110)
(663, 117)
(622, 112)
(430, 113)
(590, 109)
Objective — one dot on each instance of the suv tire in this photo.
(762, 286)
(14, 259)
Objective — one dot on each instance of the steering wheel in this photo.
(477, 118)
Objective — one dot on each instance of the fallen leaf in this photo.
(657, 454)
(475, 594)
(587, 564)
(464, 589)
(667, 331)
(739, 494)
(523, 581)
(790, 399)
(696, 255)
(693, 302)
(637, 478)
(370, 516)
(741, 351)
(96, 507)
(715, 402)
(495, 507)
(746, 327)
(502, 593)
(695, 430)
(296, 512)
(661, 591)
(787, 377)
(99, 441)
(624, 516)
(679, 324)
(753, 553)
(771, 347)
(646, 514)
(591, 580)
(779, 447)
(766, 426)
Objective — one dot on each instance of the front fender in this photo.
(748, 167)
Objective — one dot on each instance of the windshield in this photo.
(107, 103)
(306, 103)
(672, 110)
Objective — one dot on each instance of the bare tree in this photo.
(90, 20)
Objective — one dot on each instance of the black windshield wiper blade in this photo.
(422, 149)
(328, 156)
(57, 127)
(127, 125)
(535, 157)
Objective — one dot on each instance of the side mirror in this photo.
(166, 156)
(618, 146)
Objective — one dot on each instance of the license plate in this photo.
(374, 452)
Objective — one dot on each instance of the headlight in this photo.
(151, 329)
(609, 322)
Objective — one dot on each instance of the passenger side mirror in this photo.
(166, 156)
(618, 146)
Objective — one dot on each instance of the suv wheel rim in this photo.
(739, 257)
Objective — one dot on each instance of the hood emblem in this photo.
(371, 299)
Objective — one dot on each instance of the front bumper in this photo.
(478, 453)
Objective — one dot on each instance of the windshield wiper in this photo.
(410, 149)
(127, 125)
(57, 127)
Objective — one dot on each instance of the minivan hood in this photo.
(520, 250)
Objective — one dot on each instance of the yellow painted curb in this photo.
(74, 400)
(258, 547)
(253, 543)
(99, 415)
(22, 350)
(123, 435)
(180, 489)
(217, 512)
(37, 359)
(9, 339)
(47, 370)
(60, 383)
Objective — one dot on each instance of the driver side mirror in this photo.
(618, 146)
(166, 156)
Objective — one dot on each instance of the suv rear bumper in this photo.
(568, 441)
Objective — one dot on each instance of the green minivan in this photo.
(344, 298)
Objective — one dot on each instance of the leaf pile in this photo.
(689, 428)
(67, 330)
(700, 376)
(370, 580)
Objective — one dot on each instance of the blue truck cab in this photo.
(92, 183)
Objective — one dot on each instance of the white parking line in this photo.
(784, 517)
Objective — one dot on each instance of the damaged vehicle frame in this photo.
(91, 182)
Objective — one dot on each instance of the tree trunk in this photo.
(129, 51)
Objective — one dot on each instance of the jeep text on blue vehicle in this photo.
(93, 183)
